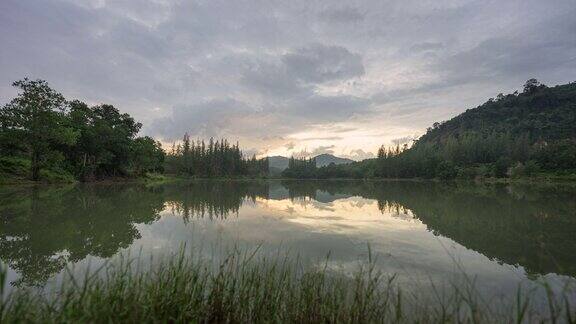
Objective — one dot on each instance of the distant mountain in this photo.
(327, 159)
(279, 163)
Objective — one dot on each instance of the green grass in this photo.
(246, 289)
(13, 169)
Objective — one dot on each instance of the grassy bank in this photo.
(245, 289)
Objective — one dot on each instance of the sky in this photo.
(287, 77)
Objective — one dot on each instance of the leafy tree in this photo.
(37, 119)
(146, 155)
(531, 86)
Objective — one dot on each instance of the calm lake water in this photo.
(501, 235)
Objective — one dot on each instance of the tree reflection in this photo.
(43, 228)
(212, 199)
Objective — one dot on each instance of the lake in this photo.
(502, 236)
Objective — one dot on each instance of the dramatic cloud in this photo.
(285, 77)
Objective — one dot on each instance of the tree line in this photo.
(45, 136)
(213, 159)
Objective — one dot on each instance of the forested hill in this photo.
(514, 135)
(541, 113)
(532, 133)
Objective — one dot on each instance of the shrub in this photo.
(468, 173)
(56, 175)
(446, 170)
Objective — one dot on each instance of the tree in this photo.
(382, 152)
(146, 155)
(531, 86)
(446, 170)
(301, 168)
(115, 133)
(37, 119)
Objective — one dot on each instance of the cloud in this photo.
(321, 138)
(208, 119)
(318, 63)
(507, 56)
(342, 15)
(327, 108)
(297, 72)
(548, 46)
(329, 149)
(290, 146)
(426, 46)
(271, 80)
(359, 155)
(403, 140)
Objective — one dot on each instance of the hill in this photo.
(532, 133)
(540, 113)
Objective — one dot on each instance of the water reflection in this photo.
(527, 225)
(42, 229)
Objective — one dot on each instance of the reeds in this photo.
(244, 288)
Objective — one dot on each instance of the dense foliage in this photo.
(54, 138)
(514, 135)
(215, 159)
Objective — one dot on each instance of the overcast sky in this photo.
(287, 76)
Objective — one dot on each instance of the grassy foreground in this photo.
(244, 289)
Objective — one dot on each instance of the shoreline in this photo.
(159, 179)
